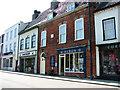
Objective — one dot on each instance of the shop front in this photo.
(28, 62)
(110, 61)
(8, 61)
(72, 61)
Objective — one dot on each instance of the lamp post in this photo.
(89, 43)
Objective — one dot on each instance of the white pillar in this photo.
(97, 62)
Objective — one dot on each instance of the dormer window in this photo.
(71, 7)
(50, 16)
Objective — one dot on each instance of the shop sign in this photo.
(27, 54)
(113, 46)
(52, 61)
(72, 50)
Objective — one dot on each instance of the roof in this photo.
(105, 5)
(62, 9)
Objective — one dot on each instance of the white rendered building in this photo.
(10, 47)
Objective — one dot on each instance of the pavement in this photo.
(71, 79)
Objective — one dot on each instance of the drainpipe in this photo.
(37, 48)
(18, 46)
(91, 67)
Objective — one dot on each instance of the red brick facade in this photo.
(52, 43)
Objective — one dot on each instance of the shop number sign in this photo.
(52, 61)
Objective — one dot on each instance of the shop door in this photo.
(42, 65)
(61, 67)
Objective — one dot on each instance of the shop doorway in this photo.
(42, 64)
(62, 65)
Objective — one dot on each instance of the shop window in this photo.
(7, 63)
(109, 31)
(43, 38)
(33, 41)
(4, 61)
(79, 29)
(111, 62)
(27, 41)
(21, 44)
(74, 62)
(62, 33)
(11, 61)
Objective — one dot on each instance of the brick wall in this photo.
(52, 44)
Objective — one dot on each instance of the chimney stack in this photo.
(35, 15)
(54, 4)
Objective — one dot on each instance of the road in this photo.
(8, 80)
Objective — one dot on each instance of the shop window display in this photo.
(74, 62)
(111, 62)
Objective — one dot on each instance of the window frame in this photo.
(10, 47)
(27, 43)
(43, 38)
(11, 34)
(33, 41)
(15, 33)
(14, 47)
(104, 29)
(49, 16)
(60, 34)
(70, 5)
(21, 45)
(7, 35)
(76, 39)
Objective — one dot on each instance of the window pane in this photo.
(79, 24)
(62, 29)
(71, 62)
(44, 42)
(72, 6)
(69, 8)
(109, 29)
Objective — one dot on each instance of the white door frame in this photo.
(41, 58)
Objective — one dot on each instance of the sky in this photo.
(13, 11)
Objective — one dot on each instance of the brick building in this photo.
(63, 40)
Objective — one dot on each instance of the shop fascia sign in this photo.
(28, 54)
(71, 50)
(112, 46)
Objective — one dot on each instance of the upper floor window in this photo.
(15, 32)
(10, 48)
(14, 46)
(7, 35)
(6, 48)
(11, 34)
(50, 16)
(33, 41)
(71, 7)
(21, 44)
(79, 29)
(43, 38)
(62, 33)
(27, 41)
(109, 31)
